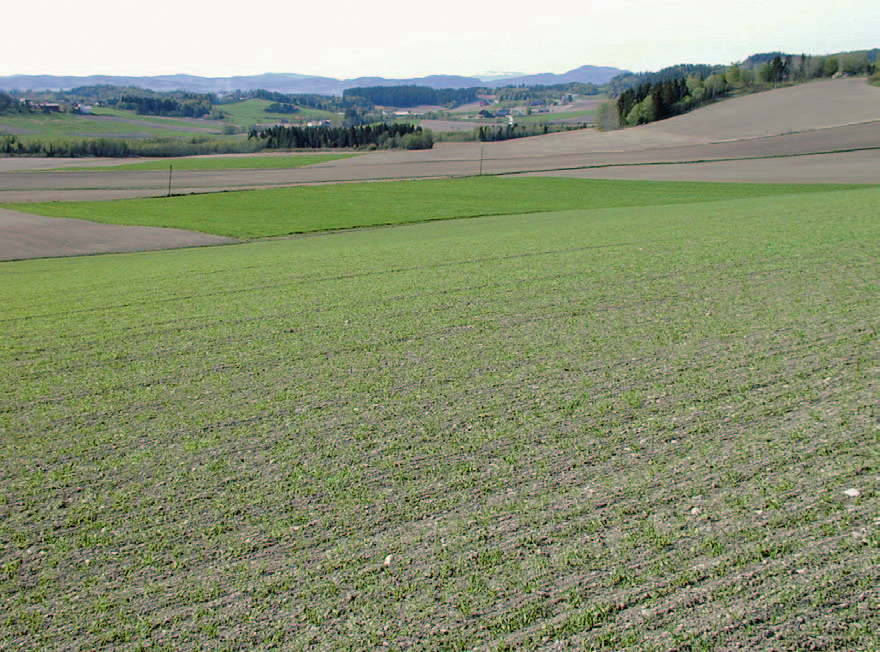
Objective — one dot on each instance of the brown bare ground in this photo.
(32, 236)
(826, 131)
(449, 125)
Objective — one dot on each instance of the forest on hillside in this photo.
(648, 97)
(176, 105)
(381, 136)
(405, 97)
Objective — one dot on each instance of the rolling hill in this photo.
(292, 83)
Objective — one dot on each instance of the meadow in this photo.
(251, 112)
(105, 123)
(646, 423)
(586, 117)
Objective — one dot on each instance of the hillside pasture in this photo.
(104, 123)
(253, 112)
(645, 427)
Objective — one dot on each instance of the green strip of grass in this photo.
(309, 209)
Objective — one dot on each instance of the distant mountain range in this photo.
(291, 83)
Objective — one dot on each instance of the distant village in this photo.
(54, 107)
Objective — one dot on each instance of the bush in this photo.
(607, 118)
(419, 140)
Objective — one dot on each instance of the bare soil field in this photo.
(552, 153)
(816, 105)
(450, 125)
(825, 131)
(849, 167)
(31, 236)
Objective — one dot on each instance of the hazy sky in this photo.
(412, 39)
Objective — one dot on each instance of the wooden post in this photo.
(170, 168)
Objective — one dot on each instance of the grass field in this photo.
(104, 123)
(251, 112)
(287, 211)
(585, 116)
(185, 124)
(626, 427)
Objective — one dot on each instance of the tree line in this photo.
(511, 131)
(12, 145)
(524, 93)
(758, 69)
(629, 80)
(181, 105)
(282, 107)
(380, 136)
(328, 103)
(660, 100)
(9, 104)
(778, 67)
(410, 96)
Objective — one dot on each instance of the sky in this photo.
(406, 39)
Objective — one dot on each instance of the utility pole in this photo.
(170, 168)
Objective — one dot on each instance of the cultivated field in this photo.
(592, 415)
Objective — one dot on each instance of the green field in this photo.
(107, 123)
(185, 124)
(629, 426)
(287, 211)
(583, 116)
(251, 112)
